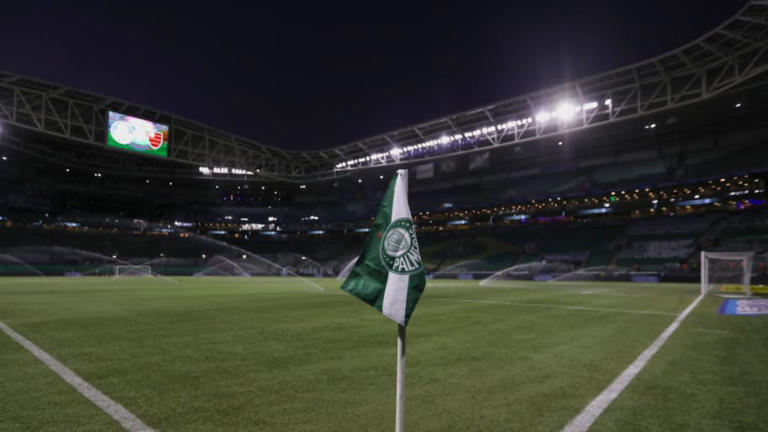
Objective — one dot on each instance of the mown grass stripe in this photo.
(591, 412)
(126, 419)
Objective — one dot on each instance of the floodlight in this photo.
(565, 111)
(543, 116)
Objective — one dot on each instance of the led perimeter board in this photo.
(135, 134)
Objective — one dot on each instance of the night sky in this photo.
(311, 78)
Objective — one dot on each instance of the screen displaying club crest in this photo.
(135, 134)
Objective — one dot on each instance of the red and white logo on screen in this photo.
(155, 140)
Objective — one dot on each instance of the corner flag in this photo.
(389, 275)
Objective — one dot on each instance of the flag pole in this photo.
(400, 403)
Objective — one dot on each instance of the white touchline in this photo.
(591, 412)
(127, 420)
(711, 330)
(556, 306)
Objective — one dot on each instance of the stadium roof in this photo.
(727, 58)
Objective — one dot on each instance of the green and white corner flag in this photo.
(389, 274)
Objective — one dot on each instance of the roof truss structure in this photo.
(727, 57)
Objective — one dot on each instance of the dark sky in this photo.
(309, 78)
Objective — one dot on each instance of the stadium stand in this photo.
(643, 184)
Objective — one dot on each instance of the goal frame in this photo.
(746, 258)
(118, 274)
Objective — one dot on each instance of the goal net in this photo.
(133, 270)
(726, 271)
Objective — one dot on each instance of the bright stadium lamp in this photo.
(543, 117)
(565, 111)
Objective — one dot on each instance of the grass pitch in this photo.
(275, 354)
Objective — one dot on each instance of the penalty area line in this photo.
(558, 306)
(126, 419)
(591, 412)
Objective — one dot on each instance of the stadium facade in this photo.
(636, 169)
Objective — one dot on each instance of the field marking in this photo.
(450, 284)
(332, 293)
(126, 419)
(513, 285)
(609, 292)
(591, 412)
(711, 330)
(594, 291)
(557, 306)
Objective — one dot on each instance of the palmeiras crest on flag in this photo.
(399, 249)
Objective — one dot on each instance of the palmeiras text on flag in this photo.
(389, 274)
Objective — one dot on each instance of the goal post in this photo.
(726, 268)
(132, 270)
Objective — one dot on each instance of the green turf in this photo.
(275, 354)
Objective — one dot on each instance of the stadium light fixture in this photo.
(543, 117)
(738, 105)
(565, 111)
(559, 143)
